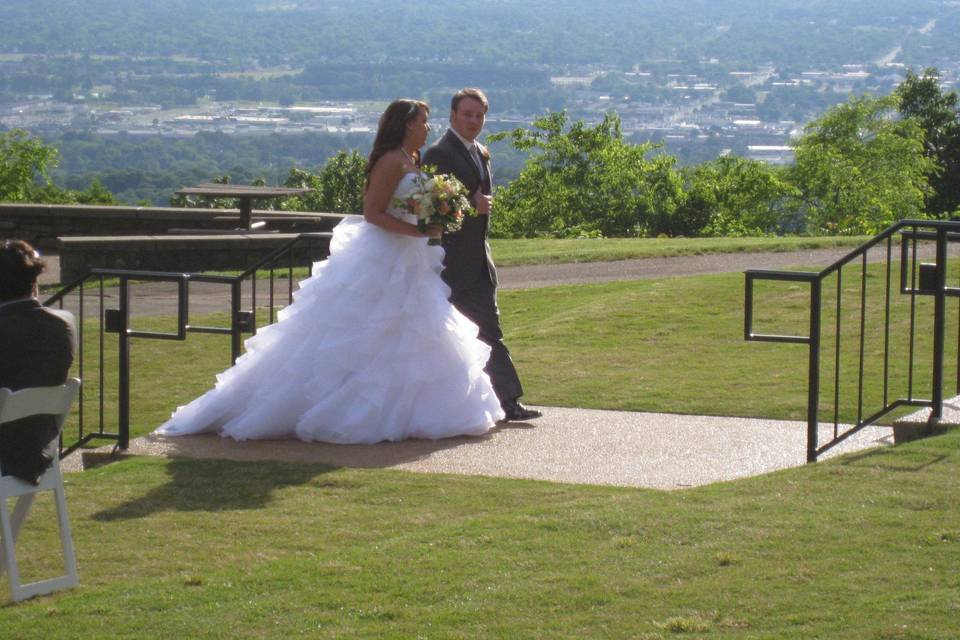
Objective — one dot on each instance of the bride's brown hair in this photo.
(392, 128)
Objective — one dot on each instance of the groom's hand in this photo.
(482, 203)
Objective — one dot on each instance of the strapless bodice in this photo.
(404, 188)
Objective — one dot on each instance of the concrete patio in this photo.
(631, 449)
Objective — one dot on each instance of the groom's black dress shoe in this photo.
(515, 412)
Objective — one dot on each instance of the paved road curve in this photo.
(586, 272)
(590, 272)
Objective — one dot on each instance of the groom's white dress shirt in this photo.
(472, 148)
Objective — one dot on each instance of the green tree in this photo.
(24, 160)
(24, 165)
(921, 97)
(859, 168)
(96, 193)
(93, 194)
(732, 196)
(337, 187)
(586, 181)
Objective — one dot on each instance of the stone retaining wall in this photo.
(181, 254)
(41, 225)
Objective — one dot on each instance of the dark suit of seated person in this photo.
(36, 350)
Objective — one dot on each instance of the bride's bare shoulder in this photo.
(390, 163)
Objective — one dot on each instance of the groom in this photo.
(468, 266)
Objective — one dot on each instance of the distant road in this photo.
(548, 275)
(528, 277)
(890, 57)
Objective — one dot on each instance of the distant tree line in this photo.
(233, 34)
(176, 53)
(148, 169)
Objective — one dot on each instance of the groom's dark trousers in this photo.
(468, 268)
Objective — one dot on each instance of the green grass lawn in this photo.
(862, 546)
(865, 546)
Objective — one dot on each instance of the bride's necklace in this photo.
(409, 157)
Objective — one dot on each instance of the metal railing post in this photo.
(235, 328)
(813, 390)
(939, 323)
(123, 348)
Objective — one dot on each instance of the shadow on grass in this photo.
(215, 482)
(885, 458)
(215, 485)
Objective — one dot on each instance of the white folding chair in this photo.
(13, 406)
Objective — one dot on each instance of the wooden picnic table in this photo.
(246, 194)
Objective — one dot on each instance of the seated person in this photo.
(36, 349)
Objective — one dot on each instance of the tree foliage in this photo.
(337, 187)
(732, 196)
(24, 159)
(585, 181)
(860, 167)
(151, 168)
(94, 193)
(588, 181)
(921, 97)
(25, 162)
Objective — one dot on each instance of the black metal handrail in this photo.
(916, 279)
(117, 320)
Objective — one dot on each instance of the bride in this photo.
(370, 349)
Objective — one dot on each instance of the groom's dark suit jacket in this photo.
(468, 266)
(36, 350)
(467, 257)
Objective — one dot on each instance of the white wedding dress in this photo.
(369, 350)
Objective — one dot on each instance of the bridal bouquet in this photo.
(437, 199)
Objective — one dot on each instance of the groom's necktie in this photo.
(475, 154)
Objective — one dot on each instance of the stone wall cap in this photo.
(84, 210)
(192, 239)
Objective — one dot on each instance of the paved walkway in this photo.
(630, 449)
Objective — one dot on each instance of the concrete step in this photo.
(917, 424)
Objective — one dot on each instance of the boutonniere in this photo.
(483, 151)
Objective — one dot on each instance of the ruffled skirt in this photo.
(369, 350)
